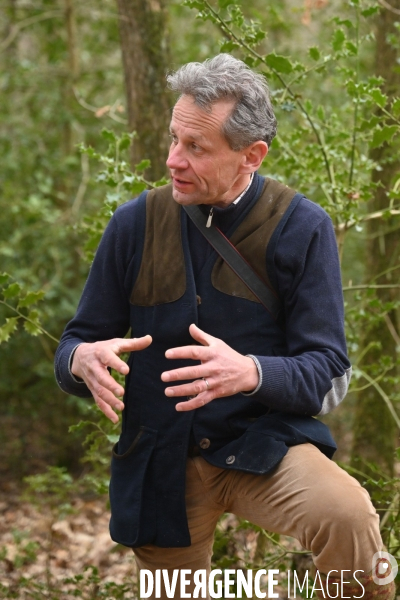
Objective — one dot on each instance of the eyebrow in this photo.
(197, 137)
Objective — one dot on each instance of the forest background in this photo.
(76, 80)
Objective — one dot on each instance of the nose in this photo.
(176, 157)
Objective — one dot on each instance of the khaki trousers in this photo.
(307, 497)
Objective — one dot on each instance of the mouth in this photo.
(180, 183)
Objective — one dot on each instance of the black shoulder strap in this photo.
(235, 260)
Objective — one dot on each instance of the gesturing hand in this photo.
(90, 363)
(222, 371)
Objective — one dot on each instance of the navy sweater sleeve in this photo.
(103, 310)
(312, 374)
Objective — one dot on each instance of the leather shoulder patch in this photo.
(162, 275)
(251, 238)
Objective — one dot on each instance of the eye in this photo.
(173, 137)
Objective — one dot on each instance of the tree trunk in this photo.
(145, 53)
(375, 428)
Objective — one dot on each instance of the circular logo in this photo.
(384, 568)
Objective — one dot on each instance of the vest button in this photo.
(204, 443)
(198, 298)
(230, 460)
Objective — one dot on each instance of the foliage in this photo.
(116, 174)
(332, 114)
(87, 586)
(324, 142)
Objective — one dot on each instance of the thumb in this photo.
(200, 336)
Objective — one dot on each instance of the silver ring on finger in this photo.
(207, 384)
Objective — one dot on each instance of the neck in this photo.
(236, 191)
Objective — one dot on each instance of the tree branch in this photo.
(294, 96)
(384, 397)
(370, 287)
(16, 27)
(388, 6)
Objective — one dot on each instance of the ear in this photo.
(253, 156)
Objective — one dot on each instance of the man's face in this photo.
(203, 168)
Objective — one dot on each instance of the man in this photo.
(219, 396)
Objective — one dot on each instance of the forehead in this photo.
(187, 115)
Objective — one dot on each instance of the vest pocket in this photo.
(131, 447)
(132, 494)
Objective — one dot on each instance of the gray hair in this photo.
(227, 78)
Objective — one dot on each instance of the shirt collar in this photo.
(244, 191)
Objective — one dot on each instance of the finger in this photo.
(133, 344)
(107, 410)
(108, 354)
(194, 372)
(188, 389)
(190, 352)
(101, 378)
(194, 403)
(201, 336)
(103, 394)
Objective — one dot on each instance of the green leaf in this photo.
(368, 12)
(137, 187)
(338, 40)
(113, 438)
(352, 48)
(395, 109)
(368, 124)
(31, 298)
(161, 182)
(378, 97)
(346, 22)
(321, 113)
(225, 3)
(288, 106)
(228, 46)
(308, 105)
(352, 88)
(143, 165)
(80, 426)
(32, 328)
(109, 135)
(124, 142)
(281, 64)
(7, 329)
(198, 4)
(383, 135)
(12, 290)
(314, 53)
(4, 277)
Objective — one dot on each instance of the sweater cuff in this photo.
(64, 377)
(71, 358)
(271, 390)
(260, 376)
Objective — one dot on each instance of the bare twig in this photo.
(29, 321)
(295, 97)
(16, 27)
(99, 112)
(366, 286)
(384, 397)
(385, 4)
(83, 184)
(392, 330)
(376, 215)
(389, 510)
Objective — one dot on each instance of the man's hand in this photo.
(90, 363)
(222, 372)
